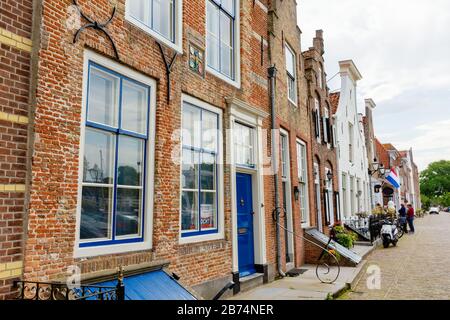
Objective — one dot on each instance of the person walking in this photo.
(402, 217)
(410, 218)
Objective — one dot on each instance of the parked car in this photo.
(434, 210)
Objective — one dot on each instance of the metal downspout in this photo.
(272, 74)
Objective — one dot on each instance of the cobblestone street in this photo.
(418, 268)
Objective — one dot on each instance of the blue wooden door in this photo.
(244, 199)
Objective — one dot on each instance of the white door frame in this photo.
(318, 196)
(290, 223)
(252, 117)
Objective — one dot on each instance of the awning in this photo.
(155, 285)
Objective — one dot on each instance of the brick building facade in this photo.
(79, 121)
(148, 142)
(15, 63)
(322, 126)
(292, 114)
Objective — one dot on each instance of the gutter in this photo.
(272, 72)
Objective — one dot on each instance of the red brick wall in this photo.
(321, 154)
(53, 199)
(290, 117)
(16, 19)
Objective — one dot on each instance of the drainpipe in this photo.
(272, 75)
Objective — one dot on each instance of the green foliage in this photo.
(426, 202)
(435, 180)
(345, 240)
(344, 237)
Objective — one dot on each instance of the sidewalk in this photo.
(306, 286)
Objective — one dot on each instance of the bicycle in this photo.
(328, 261)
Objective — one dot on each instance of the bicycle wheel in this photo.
(401, 232)
(328, 272)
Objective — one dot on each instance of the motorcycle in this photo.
(389, 233)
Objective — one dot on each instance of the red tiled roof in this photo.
(334, 100)
(382, 153)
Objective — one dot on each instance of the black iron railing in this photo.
(45, 291)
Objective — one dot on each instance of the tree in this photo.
(435, 182)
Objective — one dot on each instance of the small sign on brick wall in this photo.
(196, 60)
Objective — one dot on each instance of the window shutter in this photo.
(327, 214)
(331, 134)
(315, 123)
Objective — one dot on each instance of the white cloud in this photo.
(401, 48)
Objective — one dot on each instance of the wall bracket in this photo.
(100, 26)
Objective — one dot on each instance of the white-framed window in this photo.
(318, 196)
(302, 172)
(327, 126)
(115, 197)
(201, 172)
(344, 194)
(284, 156)
(350, 142)
(320, 78)
(329, 197)
(222, 39)
(160, 18)
(352, 195)
(244, 141)
(291, 64)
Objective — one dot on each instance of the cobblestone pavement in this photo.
(418, 268)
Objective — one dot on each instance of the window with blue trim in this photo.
(199, 177)
(157, 15)
(114, 159)
(220, 26)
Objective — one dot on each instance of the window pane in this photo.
(163, 18)
(189, 211)
(226, 38)
(134, 107)
(190, 169)
(96, 207)
(191, 126)
(213, 36)
(208, 210)
(130, 161)
(208, 172)
(98, 166)
(139, 10)
(209, 130)
(290, 61)
(283, 156)
(303, 204)
(228, 5)
(103, 97)
(128, 211)
(244, 144)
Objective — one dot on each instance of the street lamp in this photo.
(376, 167)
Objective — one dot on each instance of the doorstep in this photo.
(250, 282)
(306, 286)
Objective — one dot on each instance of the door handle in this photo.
(253, 213)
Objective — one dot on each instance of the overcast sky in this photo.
(402, 49)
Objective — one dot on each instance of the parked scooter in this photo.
(389, 233)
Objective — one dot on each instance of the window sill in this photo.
(177, 46)
(110, 249)
(234, 83)
(201, 238)
(306, 225)
(293, 103)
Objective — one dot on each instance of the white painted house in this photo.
(352, 156)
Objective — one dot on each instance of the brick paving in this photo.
(418, 268)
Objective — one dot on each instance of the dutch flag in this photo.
(393, 179)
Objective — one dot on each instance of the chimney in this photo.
(318, 42)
